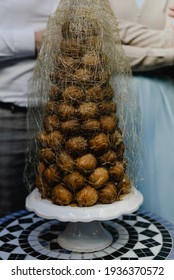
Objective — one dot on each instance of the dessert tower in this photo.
(77, 148)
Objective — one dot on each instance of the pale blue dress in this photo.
(156, 96)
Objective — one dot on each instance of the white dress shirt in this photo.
(19, 20)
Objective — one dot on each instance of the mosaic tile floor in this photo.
(141, 235)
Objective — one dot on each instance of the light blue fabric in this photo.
(156, 96)
(139, 2)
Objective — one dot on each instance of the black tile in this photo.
(108, 257)
(159, 258)
(142, 224)
(17, 257)
(48, 236)
(167, 245)
(26, 221)
(25, 244)
(28, 250)
(165, 234)
(42, 257)
(129, 245)
(162, 255)
(35, 254)
(24, 234)
(116, 254)
(128, 258)
(149, 233)
(54, 246)
(8, 247)
(58, 227)
(167, 239)
(7, 237)
(150, 243)
(129, 217)
(145, 252)
(1, 228)
(14, 228)
(123, 250)
(166, 250)
(159, 226)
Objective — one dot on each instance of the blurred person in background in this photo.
(21, 30)
(147, 34)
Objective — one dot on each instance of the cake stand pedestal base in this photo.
(84, 232)
(85, 237)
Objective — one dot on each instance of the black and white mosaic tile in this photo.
(141, 235)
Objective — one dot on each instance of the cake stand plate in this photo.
(84, 232)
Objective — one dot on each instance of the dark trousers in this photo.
(13, 139)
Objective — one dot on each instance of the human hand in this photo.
(171, 11)
(38, 40)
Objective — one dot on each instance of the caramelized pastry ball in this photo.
(43, 188)
(73, 93)
(99, 177)
(91, 126)
(125, 185)
(109, 93)
(51, 123)
(94, 93)
(66, 111)
(87, 110)
(108, 124)
(52, 107)
(66, 62)
(51, 174)
(46, 155)
(60, 77)
(117, 170)
(99, 143)
(77, 144)
(108, 194)
(39, 183)
(120, 150)
(93, 43)
(106, 108)
(87, 162)
(82, 75)
(61, 195)
(87, 196)
(40, 168)
(55, 93)
(70, 47)
(70, 126)
(101, 76)
(108, 158)
(65, 161)
(116, 138)
(55, 139)
(85, 26)
(43, 139)
(74, 180)
(91, 59)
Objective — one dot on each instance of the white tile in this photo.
(155, 250)
(75, 256)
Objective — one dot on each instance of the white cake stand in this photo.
(84, 232)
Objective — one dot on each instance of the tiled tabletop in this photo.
(141, 235)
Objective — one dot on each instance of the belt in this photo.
(12, 107)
